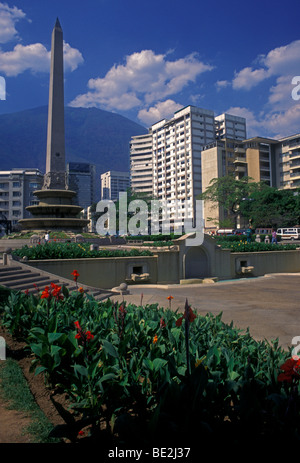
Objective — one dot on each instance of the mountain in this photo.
(92, 135)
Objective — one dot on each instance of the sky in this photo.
(145, 60)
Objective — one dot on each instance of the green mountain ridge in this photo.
(92, 135)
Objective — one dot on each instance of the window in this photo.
(16, 185)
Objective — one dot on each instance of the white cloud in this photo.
(249, 77)
(280, 115)
(281, 61)
(145, 78)
(8, 18)
(222, 84)
(162, 110)
(35, 58)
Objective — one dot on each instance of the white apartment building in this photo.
(168, 158)
(141, 163)
(288, 162)
(112, 183)
(176, 146)
(229, 126)
(17, 188)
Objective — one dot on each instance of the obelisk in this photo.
(56, 210)
(55, 177)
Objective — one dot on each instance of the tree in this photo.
(270, 207)
(230, 193)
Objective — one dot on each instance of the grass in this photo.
(15, 390)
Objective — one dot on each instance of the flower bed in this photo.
(147, 371)
(56, 250)
(243, 246)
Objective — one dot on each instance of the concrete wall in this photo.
(103, 273)
(171, 266)
(266, 262)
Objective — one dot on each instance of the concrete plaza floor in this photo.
(269, 306)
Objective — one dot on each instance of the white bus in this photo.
(289, 233)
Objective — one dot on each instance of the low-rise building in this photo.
(17, 188)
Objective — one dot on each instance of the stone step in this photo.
(41, 282)
(17, 276)
(21, 279)
(6, 269)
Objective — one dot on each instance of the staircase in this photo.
(19, 276)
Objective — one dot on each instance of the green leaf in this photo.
(233, 375)
(107, 377)
(52, 337)
(40, 370)
(110, 349)
(159, 363)
(148, 363)
(81, 370)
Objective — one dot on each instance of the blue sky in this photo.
(144, 60)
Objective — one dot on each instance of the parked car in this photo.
(289, 233)
(240, 231)
(225, 231)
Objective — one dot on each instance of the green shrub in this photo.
(150, 366)
(56, 250)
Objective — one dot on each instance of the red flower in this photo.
(191, 317)
(291, 370)
(56, 291)
(77, 325)
(162, 323)
(89, 336)
(122, 309)
(86, 336)
(26, 291)
(45, 294)
(75, 275)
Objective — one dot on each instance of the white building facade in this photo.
(112, 183)
(17, 188)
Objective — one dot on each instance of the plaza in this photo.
(268, 305)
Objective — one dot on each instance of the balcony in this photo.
(294, 154)
(240, 160)
(239, 150)
(242, 169)
(295, 175)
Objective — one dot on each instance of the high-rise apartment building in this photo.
(174, 146)
(288, 162)
(17, 188)
(141, 164)
(229, 126)
(114, 182)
